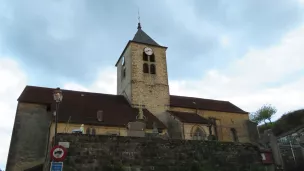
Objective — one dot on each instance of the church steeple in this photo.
(142, 37)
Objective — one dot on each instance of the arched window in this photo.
(152, 58)
(198, 134)
(88, 131)
(93, 131)
(234, 135)
(145, 56)
(146, 68)
(152, 69)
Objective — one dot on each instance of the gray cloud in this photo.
(71, 40)
(256, 22)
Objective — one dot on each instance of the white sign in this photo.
(64, 144)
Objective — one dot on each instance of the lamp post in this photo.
(58, 98)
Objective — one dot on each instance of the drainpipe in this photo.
(183, 130)
(48, 140)
(47, 159)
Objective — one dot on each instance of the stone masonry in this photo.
(150, 90)
(30, 137)
(105, 153)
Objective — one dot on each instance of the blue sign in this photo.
(56, 166)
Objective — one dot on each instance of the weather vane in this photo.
(138, 16)
(139, 26)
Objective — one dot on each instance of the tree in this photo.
(255, 118)
(265, 113)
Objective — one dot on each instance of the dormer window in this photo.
(100, 115)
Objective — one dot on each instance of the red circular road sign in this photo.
(58, 153)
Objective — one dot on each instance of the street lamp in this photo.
(58, 98)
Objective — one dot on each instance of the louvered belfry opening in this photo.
(145, 68)
(152, 69)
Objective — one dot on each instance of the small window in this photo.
(152, 58)
(123, 61)
(145, 56)
(124, 72)
(146, 68)
(152, 69)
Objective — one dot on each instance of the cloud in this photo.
(52, 34)
(236, 50)
(13, 81)
(86, 35)
(105, 82)
(226, 30)
(271, 75)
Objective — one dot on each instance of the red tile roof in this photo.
(82, 107)
(204, 104)
(189, 117)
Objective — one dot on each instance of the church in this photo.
(143, 104)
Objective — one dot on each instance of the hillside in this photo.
(287, 122)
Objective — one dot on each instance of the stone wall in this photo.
(253, 129)
(30, 137)
(104, 153)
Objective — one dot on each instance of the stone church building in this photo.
(142, 97)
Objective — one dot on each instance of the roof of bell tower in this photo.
(142, 37)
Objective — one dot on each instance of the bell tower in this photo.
(142, 75)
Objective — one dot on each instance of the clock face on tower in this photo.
(148, 51)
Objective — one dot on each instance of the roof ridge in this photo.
(71, 90)
(200, 98)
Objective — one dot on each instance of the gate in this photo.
(292, 155)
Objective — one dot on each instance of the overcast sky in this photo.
(249, 52)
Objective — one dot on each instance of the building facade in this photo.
(142, 93)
